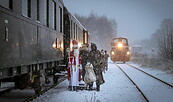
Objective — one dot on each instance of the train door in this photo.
(66, 33)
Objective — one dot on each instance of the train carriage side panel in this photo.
(5, 53)
(18, 41)
(46, 52)
(25, 41)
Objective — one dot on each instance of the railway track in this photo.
(150, 75)
(29, 97)
(148, 85)
(134, 84)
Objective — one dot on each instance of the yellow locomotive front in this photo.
(120, 50)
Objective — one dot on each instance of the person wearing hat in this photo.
(84, 53)
(74, 67)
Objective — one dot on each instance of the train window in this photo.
(60, 19)
(47, 14)
(38, 10)
(86, 36)
(124, 41)
(29, 8)
(26, 8)
(115, 40)
(71, 29)
(74, 30)
(6, 3)
(11, 4)
(54, 15)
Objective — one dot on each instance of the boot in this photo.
(90, 86)
(73, 88)
(98, 87)
(70, 88)
(77, 88)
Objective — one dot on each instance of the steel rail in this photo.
(151, 75)
(134, 83)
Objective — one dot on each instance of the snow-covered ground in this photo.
(157, 73)
(153, 89)
(117, 88)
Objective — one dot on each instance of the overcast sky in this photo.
(137, 19)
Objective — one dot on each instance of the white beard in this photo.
(76, 52)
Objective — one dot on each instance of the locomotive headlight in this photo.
(128, 53)
(112, 52)
(120, 45)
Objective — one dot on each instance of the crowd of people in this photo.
(86, 64)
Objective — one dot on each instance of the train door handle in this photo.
(6, 33)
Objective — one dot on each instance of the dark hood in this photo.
(93, 47)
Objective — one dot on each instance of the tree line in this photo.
(161, 43)
(163, 39)
(102, 30)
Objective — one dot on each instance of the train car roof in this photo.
(76, 20)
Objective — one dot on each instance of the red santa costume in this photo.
(74, 66)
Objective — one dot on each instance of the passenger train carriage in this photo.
(120, 50)
(34, 38)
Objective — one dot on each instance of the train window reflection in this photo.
(123, 41)
(26, 8)
(6, 3)
(116, 40)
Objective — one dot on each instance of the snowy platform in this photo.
(117, 88)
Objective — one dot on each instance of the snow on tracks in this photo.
(153, 89)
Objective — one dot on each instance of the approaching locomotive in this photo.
(34, 38)
(120, 50)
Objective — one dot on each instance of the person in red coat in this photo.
(74, 67)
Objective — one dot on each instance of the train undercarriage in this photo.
(33, 76)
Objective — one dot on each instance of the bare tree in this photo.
(164, 38)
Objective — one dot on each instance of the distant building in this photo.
(138, 50)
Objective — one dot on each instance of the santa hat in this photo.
(74, 42)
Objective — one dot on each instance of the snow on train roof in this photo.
(77, 21)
